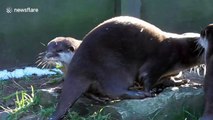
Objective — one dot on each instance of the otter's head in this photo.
(206, 39)
(206, 36)
(59, 52)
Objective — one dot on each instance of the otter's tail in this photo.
(71, 91)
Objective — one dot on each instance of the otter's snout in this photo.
(51, 55)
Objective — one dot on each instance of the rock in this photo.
(30, 117)
(4, 115)
(169, 105)
(85, 106)
(47, 97)
(172, 104)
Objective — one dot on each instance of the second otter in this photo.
(207, 42)
(60, 51)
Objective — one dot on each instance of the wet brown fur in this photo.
(119, 50)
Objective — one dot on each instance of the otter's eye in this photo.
(71, 48)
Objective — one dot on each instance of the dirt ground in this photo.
(11, 86)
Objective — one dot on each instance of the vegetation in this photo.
(22, 103)
(28, 103)
(95, 116)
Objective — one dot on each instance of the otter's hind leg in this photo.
(151, 72)
(116, 86)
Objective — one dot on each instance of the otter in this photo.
(59, 52)
(207, 42)
(120, 50)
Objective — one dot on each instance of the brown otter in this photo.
(207, 42)
(116, 52)
(59, 51)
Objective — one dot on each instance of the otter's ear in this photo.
(71, 48)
